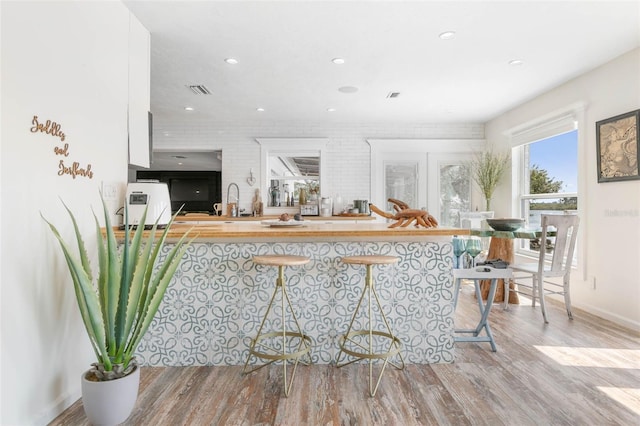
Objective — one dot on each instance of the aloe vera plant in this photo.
(118, 307)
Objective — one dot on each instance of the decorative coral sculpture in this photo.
(405, 216)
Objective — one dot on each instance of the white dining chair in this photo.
(536, 276)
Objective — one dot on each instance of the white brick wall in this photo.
(348, 152)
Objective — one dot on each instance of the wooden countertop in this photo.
(310, 231)
(202, 217)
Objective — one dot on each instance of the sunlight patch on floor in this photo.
(592, 357)
(628, 397)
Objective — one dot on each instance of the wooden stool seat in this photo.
(370, 260)
(280, 260)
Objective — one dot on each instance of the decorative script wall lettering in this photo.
(54, 129)
(75, 170)
(50, 127)
(62, 151)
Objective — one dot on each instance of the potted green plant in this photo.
(117, 307)
(487, 168)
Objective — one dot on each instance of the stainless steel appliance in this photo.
(309, 209)
(155, 195)
(362, 206)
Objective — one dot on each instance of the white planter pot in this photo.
(110, 403)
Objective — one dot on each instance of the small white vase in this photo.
(111, 402)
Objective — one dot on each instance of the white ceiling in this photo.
(285, 48)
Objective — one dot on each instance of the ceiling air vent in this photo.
(392, 95)
(199, 89)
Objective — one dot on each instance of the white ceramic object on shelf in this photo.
(338, 207)
(325, 207)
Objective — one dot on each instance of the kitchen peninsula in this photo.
(218, 296)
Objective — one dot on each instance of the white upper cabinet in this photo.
(139, 94)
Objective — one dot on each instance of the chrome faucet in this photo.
(235, 213)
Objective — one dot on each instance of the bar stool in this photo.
(481, 273)
(363, 347)
(285, 344)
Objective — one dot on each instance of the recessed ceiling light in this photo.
(179, 164)
(516, 62)
(447, 35)
(188, 108)
(348, 89)
(331, 109)
(338, 61)
(260, 109)
(231, 61)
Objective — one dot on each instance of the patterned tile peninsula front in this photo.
(218, 297)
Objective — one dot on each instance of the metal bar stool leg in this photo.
(348, 333)
(254, 342)
(259, 347)
(386, 322)
(350, 345)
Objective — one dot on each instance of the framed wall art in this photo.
(618, 145)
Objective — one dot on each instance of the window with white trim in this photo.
(545, 164)
(550, 177)
(291, 166)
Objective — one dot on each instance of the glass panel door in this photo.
(455, 193)
(451, 187)
(401, 183)
(405, 180)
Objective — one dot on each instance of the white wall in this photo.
(610, 212)
(65, 62)
(348, 153)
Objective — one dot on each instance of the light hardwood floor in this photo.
(580, 372)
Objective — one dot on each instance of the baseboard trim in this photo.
(62, 403)
(610, 316)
